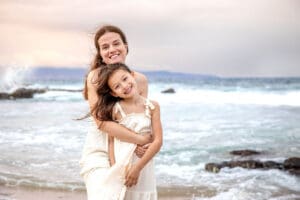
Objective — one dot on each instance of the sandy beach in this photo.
(27, 193)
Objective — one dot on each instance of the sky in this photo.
(227, 38)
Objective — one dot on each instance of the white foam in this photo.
(202, 96)
(13, 77)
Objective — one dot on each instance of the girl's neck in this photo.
(136, 99)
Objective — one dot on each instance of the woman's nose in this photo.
(111, 48)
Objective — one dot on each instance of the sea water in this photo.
(205, 119)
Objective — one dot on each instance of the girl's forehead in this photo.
(117, 75)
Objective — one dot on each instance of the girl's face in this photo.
(122, 84)
(112, 48)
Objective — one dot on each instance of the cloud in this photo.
(227, 38)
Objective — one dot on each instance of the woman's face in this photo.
(112, 48)
(122, 84)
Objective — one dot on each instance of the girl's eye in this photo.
(125, 78)
(116, 87)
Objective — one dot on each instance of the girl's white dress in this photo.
(107, 183)
(145, 189)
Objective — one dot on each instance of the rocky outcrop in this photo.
(29, 93)
(245, 152)
(170, 90)
(292, 165)
(21, 93)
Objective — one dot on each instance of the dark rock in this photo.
(170, 90)
(293, 162)
(246, 152)
(249, 164)
(291, 165)
(213, 167)
(26, 93)
(272, 165)
(294, 172)
(21, 93)
(4, 95)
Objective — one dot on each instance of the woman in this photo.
(112, 47)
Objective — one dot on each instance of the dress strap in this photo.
(149, 107)
(119, 109)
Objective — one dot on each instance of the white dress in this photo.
(107, 183)
(145, 189)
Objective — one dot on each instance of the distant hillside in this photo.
(51, 73)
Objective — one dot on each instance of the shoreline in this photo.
(29, 193)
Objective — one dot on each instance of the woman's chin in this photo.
(116, 61)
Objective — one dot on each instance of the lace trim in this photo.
(149, 107)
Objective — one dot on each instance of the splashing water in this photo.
(13, 77)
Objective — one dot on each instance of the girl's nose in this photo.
(123, 85)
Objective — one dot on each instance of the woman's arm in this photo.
(133, 173)
(111, 128)
(142, 83)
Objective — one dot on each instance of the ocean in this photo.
(206, 118)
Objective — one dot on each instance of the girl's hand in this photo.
(145, 139)
(132, 176)
(140, 150)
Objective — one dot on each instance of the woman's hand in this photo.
(140, 150)
(132, 175)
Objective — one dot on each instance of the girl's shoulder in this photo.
(152, 104)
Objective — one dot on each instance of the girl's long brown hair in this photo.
(98, 60)
(103, 109)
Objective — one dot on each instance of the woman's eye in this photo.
(125, 79)
(105, 47)
(116, 43)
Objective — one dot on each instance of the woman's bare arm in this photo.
(142, 83)
(133, 173)
(111, 128)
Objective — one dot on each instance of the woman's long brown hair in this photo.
(98, 60)
(103, 109)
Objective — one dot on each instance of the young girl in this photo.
(129, 177)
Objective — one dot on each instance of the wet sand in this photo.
(27, 193)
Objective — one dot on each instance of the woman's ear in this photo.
(126, 46)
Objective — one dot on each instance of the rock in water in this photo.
(245, 152)
(170, 90)
(21, 93)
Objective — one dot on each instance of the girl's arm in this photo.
(111, 151)
(133, 173)
(110, 127)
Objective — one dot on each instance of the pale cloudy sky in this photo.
(220, 37)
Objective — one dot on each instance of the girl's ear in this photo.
(113, 94)
(132, 73)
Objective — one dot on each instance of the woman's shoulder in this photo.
(92, 75)
(140, 77)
